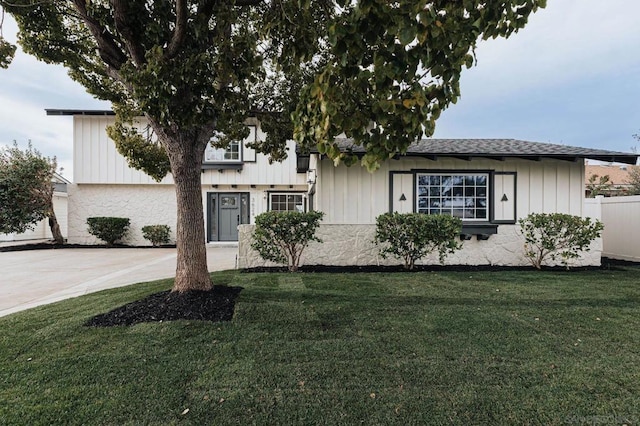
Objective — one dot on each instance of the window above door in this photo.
(233, 156)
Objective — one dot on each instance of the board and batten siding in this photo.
(96, 161)
(351, 195)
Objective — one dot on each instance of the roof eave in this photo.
(72, 112)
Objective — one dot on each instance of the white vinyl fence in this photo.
(621, 219)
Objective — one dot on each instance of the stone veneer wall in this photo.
(142, 204)
(352, 245)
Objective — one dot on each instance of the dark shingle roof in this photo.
(52, 111)
(498, 149)
(501, 149)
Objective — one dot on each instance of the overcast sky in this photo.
(569, 77)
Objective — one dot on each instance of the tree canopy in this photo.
(26, 189)
(337, 65)
(311, 69)
(634, 180)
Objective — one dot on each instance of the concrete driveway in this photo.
(38, 277)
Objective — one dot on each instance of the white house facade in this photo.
(489, 183)
(237, 184)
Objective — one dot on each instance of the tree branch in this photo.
(128, 32)
(108, 50)
(180, 31)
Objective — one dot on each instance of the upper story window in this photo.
(232, 153)
(216, 155)
(464, 195)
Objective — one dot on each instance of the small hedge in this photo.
(157, 234)
(281, 237)
(557, 236)
(108, 229)
(412, 236)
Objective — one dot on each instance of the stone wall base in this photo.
(352, 245)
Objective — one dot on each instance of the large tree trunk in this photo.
(185, 154)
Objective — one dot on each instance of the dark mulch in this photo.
(214, 305)
(53, 246)
(429, 268)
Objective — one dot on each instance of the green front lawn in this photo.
(311, 348)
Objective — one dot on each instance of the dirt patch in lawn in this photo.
(214, 305)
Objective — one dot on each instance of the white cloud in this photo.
(27, 88)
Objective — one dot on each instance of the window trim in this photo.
(305, 199)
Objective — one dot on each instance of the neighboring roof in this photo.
(58, 178)
(500, 149)
(618, 175)
(79, 112)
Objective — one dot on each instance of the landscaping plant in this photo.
(157, 234)
(557, 236)
(412, 236)
(26, 190)
(108, 229)
(281, 237)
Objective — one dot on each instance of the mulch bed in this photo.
(418, 268)
(53, 246)
(214, 305)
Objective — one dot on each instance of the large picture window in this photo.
(464, 195)
(287, 202)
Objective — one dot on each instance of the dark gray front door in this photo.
(225, 212)
(229, 217)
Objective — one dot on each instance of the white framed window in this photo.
(219, 155)
(233, 152)
(464, 195)
(288, 201)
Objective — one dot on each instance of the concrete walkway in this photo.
(39, 277)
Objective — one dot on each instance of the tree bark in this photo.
(55, 229)
(54, 225)
(185, 151)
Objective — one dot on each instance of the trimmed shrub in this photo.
(281, 237)
(157, 234)
(108, 229)
(411, 236)
(557, 236)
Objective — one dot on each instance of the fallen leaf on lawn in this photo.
(186, 410)
(372, 395)
(221, 400)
